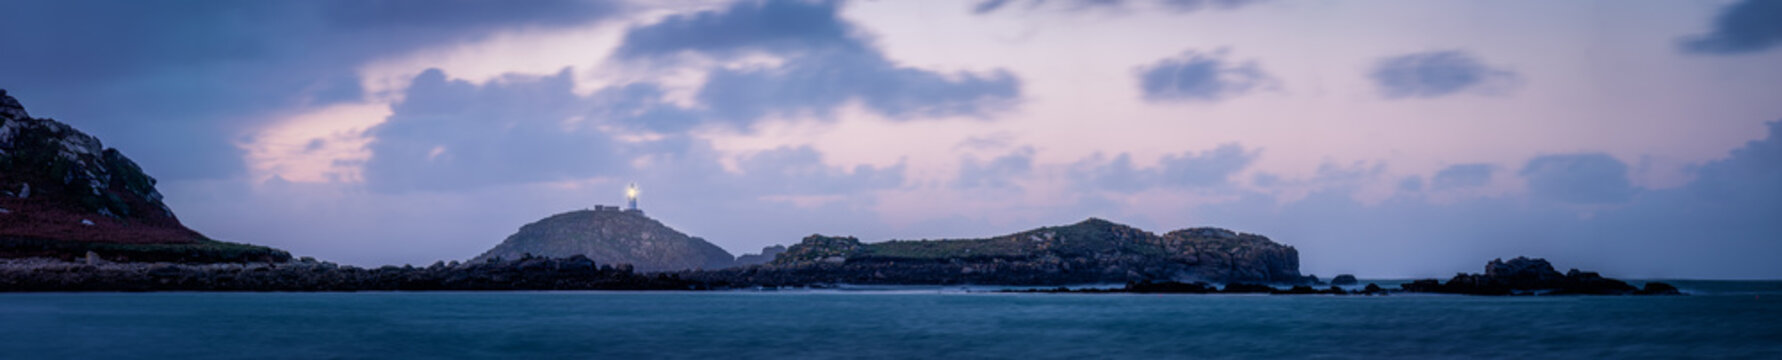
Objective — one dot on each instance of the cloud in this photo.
(641, 106)
(816, 85)
(998, 173)
(1436, 74)
(206, 71)
(1745, 27)
(1410, 184)
(989, 6)
(1462, 176)
(1749, 174)
(451, 134)
(777, 26)
(1209, 168)
(1181, 6)
(801, 171)
(1197, 5)
(1200, 77)
(1588, 178)
(826, 63)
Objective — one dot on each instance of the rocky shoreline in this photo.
(1520, 276)
(527, 273)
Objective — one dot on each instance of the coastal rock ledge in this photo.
(1526, 276)
(1088, 252)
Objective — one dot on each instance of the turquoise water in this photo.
(1721, 320)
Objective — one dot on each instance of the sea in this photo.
(1717, 320)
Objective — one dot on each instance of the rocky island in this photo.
(76, 216)
(1091, 251)
(611, 236)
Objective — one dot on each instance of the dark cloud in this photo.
(451, 134)
(640, 106)
(1720, 225)
(1117, 175)
(1589, 178)
(1745, 27)
(1197, 5)
(801, 171)
(1756, 166)
(1435, 74)
(776, 26)
(818, 84)
(1410, 184)
(461, 15)
(1197, 76)
(454, 135)
(826, 63)
(204, 71)
(1462, 176)
(1207, 168)
(990, 6)
(998, 173)
(1210, 168)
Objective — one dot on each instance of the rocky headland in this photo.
(64, 195)
(609, 235)
(1091, 251)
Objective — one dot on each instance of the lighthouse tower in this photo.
(631, 197)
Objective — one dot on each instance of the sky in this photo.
(1386, 139)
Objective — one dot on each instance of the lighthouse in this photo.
(631, 197)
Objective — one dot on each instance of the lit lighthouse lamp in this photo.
(631, 196)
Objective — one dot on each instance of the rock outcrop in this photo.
(1091, 251)
(767, 255)
(1525, 276)
(522, 273)
(63, 194)
(611, 236)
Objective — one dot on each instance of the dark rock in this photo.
(1248, 288)
(1295, 290)
(1372, 289)
(1343, 279)
(1524, 276)
(1169, 287)
(1658, 288)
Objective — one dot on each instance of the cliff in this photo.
(63, 193)
(611, 237)
(1091, 251)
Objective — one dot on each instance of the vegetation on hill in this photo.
(612, 236)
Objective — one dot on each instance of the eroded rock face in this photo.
(612, 237)
(53, 176)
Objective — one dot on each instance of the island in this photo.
(77, 216)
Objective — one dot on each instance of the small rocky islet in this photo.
(76, 216)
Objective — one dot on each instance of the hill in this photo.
(610, 236)
(1091, 251)
(63, 194)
